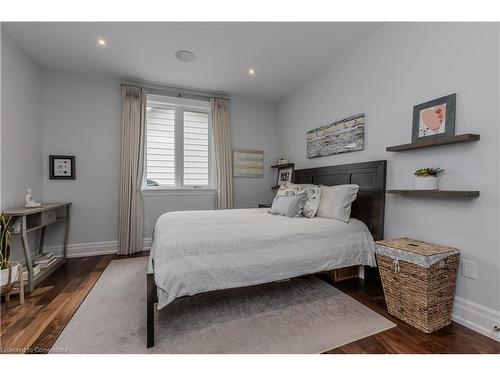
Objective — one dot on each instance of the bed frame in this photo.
(369, 207)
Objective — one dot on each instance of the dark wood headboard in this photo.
(369, 206)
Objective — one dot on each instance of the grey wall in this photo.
(254, 127)
(21, 124)
(21, 129)
(82, 116)
(399, 66)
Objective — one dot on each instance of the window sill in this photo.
(161, 191)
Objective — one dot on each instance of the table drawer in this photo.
(41, 218)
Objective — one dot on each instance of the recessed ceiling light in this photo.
(251, 72)
(185, 56)
(101, 42)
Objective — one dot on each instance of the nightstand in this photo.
(265, 205)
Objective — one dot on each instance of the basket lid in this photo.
(416, 246)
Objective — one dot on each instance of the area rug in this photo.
(305, 315)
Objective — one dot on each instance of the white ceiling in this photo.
(282, 54)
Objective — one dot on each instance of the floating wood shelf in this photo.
(435, 142)
(283, 165)
(437, 193)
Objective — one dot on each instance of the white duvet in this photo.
(201, 251)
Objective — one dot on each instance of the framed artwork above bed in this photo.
(346, 135)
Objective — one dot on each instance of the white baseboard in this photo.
(147, 243)
(77, 250)
(477, 317)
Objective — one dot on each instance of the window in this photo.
(195, 148)
(160, 146)
(178, 143)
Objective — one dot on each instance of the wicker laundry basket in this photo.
(419, 281)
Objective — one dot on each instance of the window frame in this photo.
(179, 106)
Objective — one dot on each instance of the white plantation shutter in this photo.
(160, 146)
(196, 168)
(178, 149)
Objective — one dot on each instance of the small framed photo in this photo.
(435, 118)
(62, 167)
(284, 175)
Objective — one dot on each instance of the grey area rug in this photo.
(300, 316)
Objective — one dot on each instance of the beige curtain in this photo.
(223, 155)
(131, 172)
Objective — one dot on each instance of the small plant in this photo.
(5, 237)
(425, 172)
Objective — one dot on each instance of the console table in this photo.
(32, 219)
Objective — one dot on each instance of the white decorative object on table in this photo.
(29, 202)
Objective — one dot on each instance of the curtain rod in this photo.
(178, 92)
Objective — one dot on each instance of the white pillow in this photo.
(313, 197)
(312, 192)
(336, 201)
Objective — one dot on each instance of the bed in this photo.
(196, 252)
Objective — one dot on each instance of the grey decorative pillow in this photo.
(290, 206)
(283, 192)
(313, 196)
(336, 201)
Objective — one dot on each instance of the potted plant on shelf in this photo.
(9, 272)
(427, 178)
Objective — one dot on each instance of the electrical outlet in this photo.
(469, 269)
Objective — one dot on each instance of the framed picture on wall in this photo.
(347, 135)
(62, 167)
(435, 118)
(284, 175)
(248, 163)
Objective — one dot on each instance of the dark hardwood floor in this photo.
(35, 326)
(404, 339)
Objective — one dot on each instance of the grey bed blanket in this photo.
(200, 251)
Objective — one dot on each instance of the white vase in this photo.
(425, 183)
(4, 274)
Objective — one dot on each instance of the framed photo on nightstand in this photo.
(62, 167)
(284, 175)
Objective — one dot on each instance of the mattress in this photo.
(201, 251)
